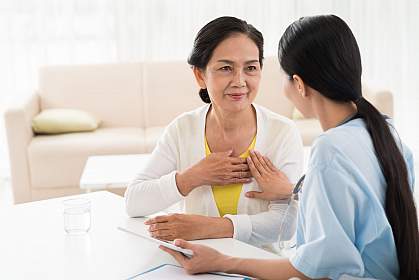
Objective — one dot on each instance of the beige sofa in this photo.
(134, 101)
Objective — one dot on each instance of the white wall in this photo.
(34, 33)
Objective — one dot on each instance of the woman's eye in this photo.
(251, 68)
(226, 68)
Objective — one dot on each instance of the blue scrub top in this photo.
(342, 225)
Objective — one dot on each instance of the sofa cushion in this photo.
(58, 160)
(111, 92)
(53, 121)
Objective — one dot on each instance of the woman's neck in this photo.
(331, 114)
(232, 123)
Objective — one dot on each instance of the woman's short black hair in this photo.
(212, 34)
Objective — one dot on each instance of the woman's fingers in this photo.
(184, 244)
(162, 234)
(241, 167)
(262, 161)
(159, 226)
(179, 257)
(258, 195)
(157, 219)
(237, 160)
(242, 174)
(255, 172)
(270, 164)
(257, 163)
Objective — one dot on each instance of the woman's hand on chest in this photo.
(273, 183)
(217, 169)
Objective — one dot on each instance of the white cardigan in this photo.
(257, 222)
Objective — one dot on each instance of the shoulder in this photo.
(338, 142)
(189, 120)
(328, 164)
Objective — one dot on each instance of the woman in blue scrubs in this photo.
(357, 214)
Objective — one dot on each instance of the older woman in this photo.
(201, 158)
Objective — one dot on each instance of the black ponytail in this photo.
(323, 51)
(399, 203)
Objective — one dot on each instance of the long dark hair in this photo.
(323, 51)
(212, 34)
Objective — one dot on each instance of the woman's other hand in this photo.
(217, 169)
(189, 227)
(204, 259)
(273, 183)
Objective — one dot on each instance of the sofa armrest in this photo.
(382, 100)
(18, 123)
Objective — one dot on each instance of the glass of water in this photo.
(77, 218)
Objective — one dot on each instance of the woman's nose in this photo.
(239, 79)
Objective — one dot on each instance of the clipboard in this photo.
(167, 244)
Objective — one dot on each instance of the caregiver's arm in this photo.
(262, 269)
(206, 259)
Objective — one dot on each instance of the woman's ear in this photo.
(299, 85)
(199, 77)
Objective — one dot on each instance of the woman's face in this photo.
(233, 73)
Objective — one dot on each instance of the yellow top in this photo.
(227, 196)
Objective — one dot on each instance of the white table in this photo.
(111, 171)
(33, 244)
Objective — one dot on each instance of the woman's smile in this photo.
(236, 96)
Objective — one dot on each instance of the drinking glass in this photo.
(77, 217)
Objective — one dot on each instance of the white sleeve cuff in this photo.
(169, 190)
(242, 227)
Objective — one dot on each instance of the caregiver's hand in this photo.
(273, 183)
(204, 259)
(189, 227)
(215, 169)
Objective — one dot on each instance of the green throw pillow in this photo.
(53, 121)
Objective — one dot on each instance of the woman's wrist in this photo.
(228, 264)
(186, 182)
(183, 184)
(285, 191)
(218, 227)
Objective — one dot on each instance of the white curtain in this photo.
(42, 32)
